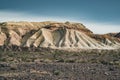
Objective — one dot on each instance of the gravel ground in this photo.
(58, 71)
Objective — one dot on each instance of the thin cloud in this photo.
(96, 27)
(19, 16)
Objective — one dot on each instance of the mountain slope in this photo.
(54, 35)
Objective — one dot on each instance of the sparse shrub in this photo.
(47, 60)
(81, 61)
(60, 60)
(75, 54)
(117, 62)
(29, 60)
(104, 62)
(56, 72)
(13, 67)
(111, 69)
(10, 54)
(70, 61)
(111, 63)
(93, 60)
(3, 59)
(57, 55)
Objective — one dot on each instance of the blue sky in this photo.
(101, 16)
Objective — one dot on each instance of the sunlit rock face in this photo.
(55, 35)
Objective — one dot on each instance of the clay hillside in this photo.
(55, 35)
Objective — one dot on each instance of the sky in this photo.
(100, 16)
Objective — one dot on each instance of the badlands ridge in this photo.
(55, 35)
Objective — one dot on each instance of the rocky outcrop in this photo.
(117, 35)
(54, 35)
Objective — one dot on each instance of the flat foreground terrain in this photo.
(58, 71)
(46, 64)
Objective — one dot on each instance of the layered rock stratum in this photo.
(55, 35)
